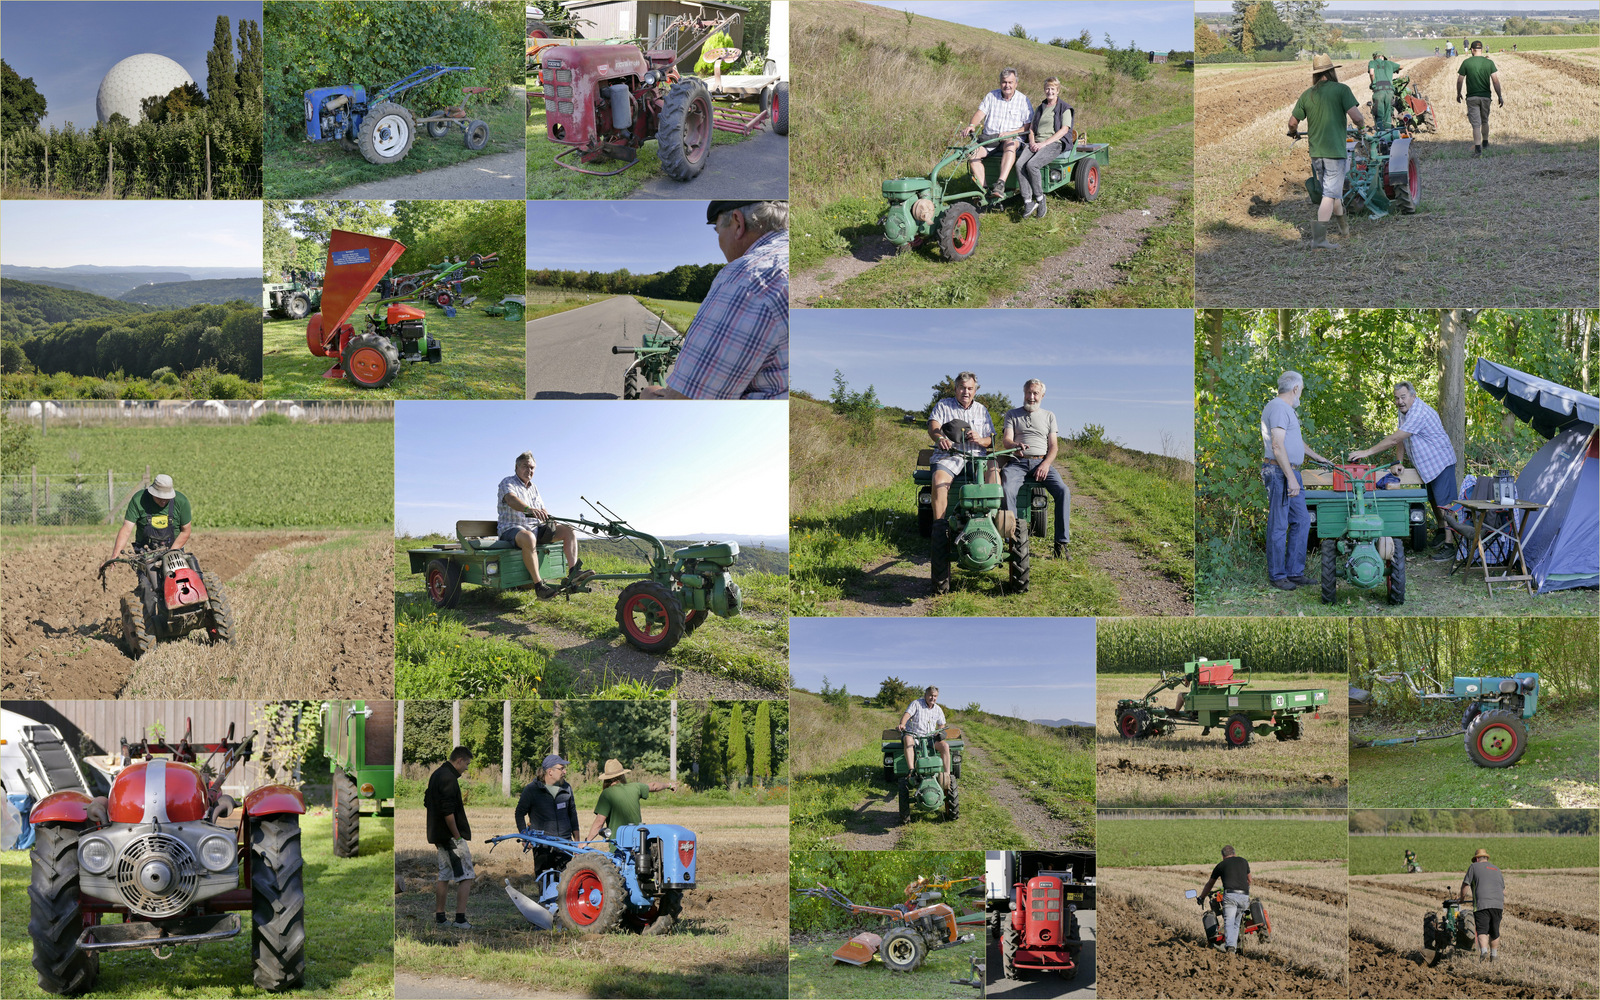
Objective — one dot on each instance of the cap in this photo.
(1475, 45)
(716, 208)
(161, 488)
(551, 760)
(955, 430)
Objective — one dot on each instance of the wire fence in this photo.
(30, 166)
(175, 413)
(61, 499)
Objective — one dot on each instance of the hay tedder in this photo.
(1494, 722)
(1253, 920)
(911, 929)
(635, 880)
(926, 786)
(1382, 172)
(380, 128)
(1215, 696)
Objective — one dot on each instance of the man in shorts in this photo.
(1323, 107)
(525, 523)
(450, 833)
(950, 458)
(1488, 887)
(1478, 73)
(1005, 114)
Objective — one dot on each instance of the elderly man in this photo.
(1234, 872)
(1323, 107)
(1488, 887)
(1033, 431)
(924, 718)
(1479, 73)
(525, 523)
(950, 457)
(738, 345)
(619, 800)
(1003, 112)
(1288, 522)
(157, 517)
(1434, 457)
(449, 832)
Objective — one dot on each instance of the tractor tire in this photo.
(1039, 522)
(1397, 573)
(1330, 576)
(443, 579)
(1407, 197)
(371, 361)
(586, 877)
(1496, 739)
(1021, 557)
(1133, 723)
(683, 137)
(297, 306)
(219, 613)
(1086, 179)
(888, 775)
(55, 915)
(958, 231)
(633, 386)
(346, 815)
(693, 620)
(1289, 729)
(538, 29)
(651, 619)
(939, 557)
(780, 108)
(1465, 935)
(1419, 537)
(278, 902)
(1237, 730)
(952, 801)
(905, 801)
(1258, 916)
(386, 133)
(667, 911)
(137, 635)
(1010, 941)
(436, 130)
(477, 135)
(903, 950)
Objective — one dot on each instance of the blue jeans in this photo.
(1288, 525)
(1234, 906)
(1011, 482)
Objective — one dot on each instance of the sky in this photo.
(123, 233)
(967, 659)
(648, 236)
(1129, 370)
(1154, 24)
(1218, 6)
(672, 469)
(67, 48)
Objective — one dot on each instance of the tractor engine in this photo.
(404, 325)
(979, 546)
(181, 586)
(334, 112)
(664, 855)
(911, 212)
(707, 586)
(603, 98)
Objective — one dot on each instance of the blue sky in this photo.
(120, 233)
(642, 236)
(1129, 370)
(1218, 6)
(1028, 668)
(671, 469)
(1154, 24)
(68, 47)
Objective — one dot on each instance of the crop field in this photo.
(1188, 769)
(1516, 227)
(1382, 855)
(1134, 843)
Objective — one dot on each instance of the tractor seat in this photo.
(1215, 676)
(481, 535)
(1359, 695)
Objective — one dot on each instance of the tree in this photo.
(1206, 42)
(1268, 29)
(1244, 11)
(1018, 31)
(21, 104)
(1454, 325)
(222, 86)
(248, 75)
(738, 755)
(1307, 24)
(894, 693)
(710, 750)
(317, 219)
(177, 104)
(997, 403)
(761, 741)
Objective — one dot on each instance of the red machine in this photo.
(371, 359)
(1041, 933)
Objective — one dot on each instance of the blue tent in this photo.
(1561, 541)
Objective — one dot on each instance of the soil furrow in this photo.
(1532, 914)
(1183, 772)
(1303, 891)
(1043, 831)
(1376, 971)
(1586, 75)
(1142, 589)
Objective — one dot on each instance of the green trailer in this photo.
(358, 740)
(1215, 695)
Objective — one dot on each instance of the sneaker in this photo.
(1493, 954)
(460, 925)
(577, 574)
(1442, 553)
(543, 591)
(1298, 581)
(1231, 949)
(1284, 584)
(1040, 209)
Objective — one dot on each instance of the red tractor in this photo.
(156, 853)
(1041, 932)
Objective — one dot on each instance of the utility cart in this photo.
(1215, 695)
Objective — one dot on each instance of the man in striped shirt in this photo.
(950, 457)
(1003, 112)
(1421, 433)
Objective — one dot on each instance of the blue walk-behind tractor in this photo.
(381, 128)
(636, 880)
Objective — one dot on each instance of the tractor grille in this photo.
(134, 875)
(563, 107)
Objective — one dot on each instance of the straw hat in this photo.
(614, 769)
(1323, 63)
(1480, 855)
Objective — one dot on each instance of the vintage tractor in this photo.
(156, 854)
(381, 128)
(1451, 928)
(1382, 171)
(924, 207)
(1215, 696)
(171, 597)
(1363, 530)
(636, 880)
(657, 610)
(358, 740)
(296, 298)
(1031, 496)
(1494, 721)
(975, 532)
(1252, 921)
(914, 928)
(1413, 112)
(652, 360)
(928, 786)
(511, 308)
(1041, 932)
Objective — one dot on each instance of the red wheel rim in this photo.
(1091, 181)
(444, 298)
(645, 617)
(368, 365)
(1238, 731)
(1497, 741)
(584, 898)
(435, 586)
(968, 223)
(1130, 725)
(697, 130)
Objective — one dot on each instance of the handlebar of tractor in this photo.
(426, 74)
(131, 560)
(614, 527)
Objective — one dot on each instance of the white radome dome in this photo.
(135, 78)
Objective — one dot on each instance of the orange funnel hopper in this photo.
(356, 262)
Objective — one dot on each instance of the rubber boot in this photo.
(1344, 223)
(1319, 237)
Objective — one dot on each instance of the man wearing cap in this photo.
(1478, 72)
(923, 718)
(449, 832)
(525, 523)
(1004, 112)
(972, 433)
(1380, 76)
(546, 806)
(1234, 872)
(619, 800)
(1033, 431)
(1422, 434)
(738, 345)
(1324, 107)
(1488, 887)
(157, 517)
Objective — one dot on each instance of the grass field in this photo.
(550, 181)
(1494, 44)
(349, 926)
(1383, 855)
(1154, 513)
(813, 974)
(1123, 843)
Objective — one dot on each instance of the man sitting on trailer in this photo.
(924, 718)
(525, 523)
(1003, 112)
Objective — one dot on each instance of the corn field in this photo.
(1141, 646)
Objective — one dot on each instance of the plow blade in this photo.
(858, 950)
(535, 914)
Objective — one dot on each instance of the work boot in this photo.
(1486, 146)
(1299, 581)
(1476, 152)
(577, 574)
(1230, 949)
(1319, 237)
(1344, 223)
(1443, 552)
(543, 591)
(1283, 584)
(1061, 550)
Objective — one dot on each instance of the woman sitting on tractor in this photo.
(1040, 147)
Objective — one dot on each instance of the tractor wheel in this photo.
(903, 950)
(1133, 723)
(436, 130)
(1010, 941)
(219, 613)
(667, 910)
(939, 557)
(346, 815)
(1039, 522)
(952, 801)
(651, 619)
(683, 137)
(1496, 739)
(538, 29)
(386, 133)
(297, 306)
(1086, 179)
(633, 386)
(1237, 730)
(1408, 196)
(780, 108)
(136, 632)
(888, 774)
(443, 299)
(905, 800)
(477, 135)
(958, 231)
(1021, 557)
(278, 903)
(764, 99)
(1397, 573)
(693, 620)
(55, 916)
(1289, 729)
(591, 894)
(444, 583)
(1209, 924)
(1330, 576)
(371, 361)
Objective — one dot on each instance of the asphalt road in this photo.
(569, 354)
(1043, 985)
(500, 176)
(755, 168)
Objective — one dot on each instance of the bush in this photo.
(103, 390)
(272, 420)
(137, 389)
(1130, 62)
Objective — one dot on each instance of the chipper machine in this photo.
(1493, 723)
(914, 928)
(1362, 530)
(1215, 696)
(927, 786)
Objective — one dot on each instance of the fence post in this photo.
(505, 749)
(111, 497)
(208, 166)
(673, 743)
(33, 497)
(399, 740)
(109, 148)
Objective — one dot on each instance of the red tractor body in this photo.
(1043, 933)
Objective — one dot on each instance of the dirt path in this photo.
(1043, 831)
(1095, 263)
(875, 826)
(805, 289)
(1142, 589)
(408, 986)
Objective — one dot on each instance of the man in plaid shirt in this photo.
(738, 345)
(523, 521)
(1003, 112)
(1434, 456)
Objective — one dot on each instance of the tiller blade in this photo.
(858, 950)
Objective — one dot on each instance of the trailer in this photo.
(1217, 696)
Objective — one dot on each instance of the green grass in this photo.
(1057, 772)
(813, 973)
(485, 357)
(1123, 843)
(550, 181)
(551, 308)
(1152, 513)
(486, 794)
(1382, 855)
(300, 169)
(677, 314)
(1411, 47)
(435, 657)
(349, 925)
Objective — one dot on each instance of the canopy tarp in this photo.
(1546, 405)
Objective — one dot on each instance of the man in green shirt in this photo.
(1323, 108)
(618, 804)
(1380, 76)
(157, 517)
(1478, 72)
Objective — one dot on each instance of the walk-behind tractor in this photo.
(295, 299)
(1031, 496)
(1362, 530)
(1252, 921)
(1494, 720)
(358, 740)
(1412, 865)
(914, 928)
(975, 533)
(1382, 172)
(658, 609)
(1451, 928)
(1041, 933)
(652, 360)
(924, 207)
(382, 129)
(927, 787)
(636, 880)
(156, 854)
(171, 597)
(1412, 110)
(1215, 696)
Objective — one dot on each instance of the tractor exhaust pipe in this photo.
(535, 914)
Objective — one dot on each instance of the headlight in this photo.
(95, 855)
(1416, 515)
(308, 110)
(216, 853)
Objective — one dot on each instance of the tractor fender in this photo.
(1400, 161)
(270, 799)
(61, 807)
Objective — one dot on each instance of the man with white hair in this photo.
(525, 523)
(923, 719)
(1003, 112)
(1288, 521)
(950, 456)
(1034, 433)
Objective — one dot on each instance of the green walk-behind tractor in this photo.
(975, 533)
(653, 358)
(1494, 723)
(927, 786)
(655, 611)
(1215, 696)
(1451, 928)
(1382, 174)
(1363, 531)
(358, 740)
(921, 208)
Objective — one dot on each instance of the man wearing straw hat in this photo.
(1488, 901)
(618, 804)
(1323, 107)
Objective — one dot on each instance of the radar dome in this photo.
(135, 78)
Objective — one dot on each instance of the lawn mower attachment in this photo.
(172, 596)
(1253, 920)
(652, 360)
(914, 928)
(636, 880)
(381, 129)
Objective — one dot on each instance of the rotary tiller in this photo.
(914, 928)
(172, 596)
(1253, 920)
